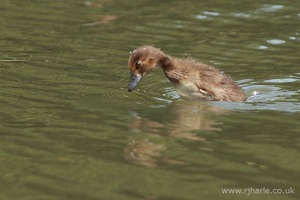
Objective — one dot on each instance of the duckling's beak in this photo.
(134, 80)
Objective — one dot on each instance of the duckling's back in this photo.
(197, 81)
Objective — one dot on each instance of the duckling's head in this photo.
(142, 60)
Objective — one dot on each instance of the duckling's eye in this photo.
(138, 64)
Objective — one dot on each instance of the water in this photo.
(70, 130)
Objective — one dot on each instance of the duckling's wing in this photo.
(220, 86)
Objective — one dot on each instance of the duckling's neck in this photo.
(167, 63)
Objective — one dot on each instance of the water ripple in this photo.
(276, 41)
(271, 8)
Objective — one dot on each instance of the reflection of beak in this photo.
(134, 80)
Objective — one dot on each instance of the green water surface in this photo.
(69, 129)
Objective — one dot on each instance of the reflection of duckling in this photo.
(191, 79)
(148, 154)
(143, 153)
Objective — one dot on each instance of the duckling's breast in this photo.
(189, 91)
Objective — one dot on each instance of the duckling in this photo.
(191, 79)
